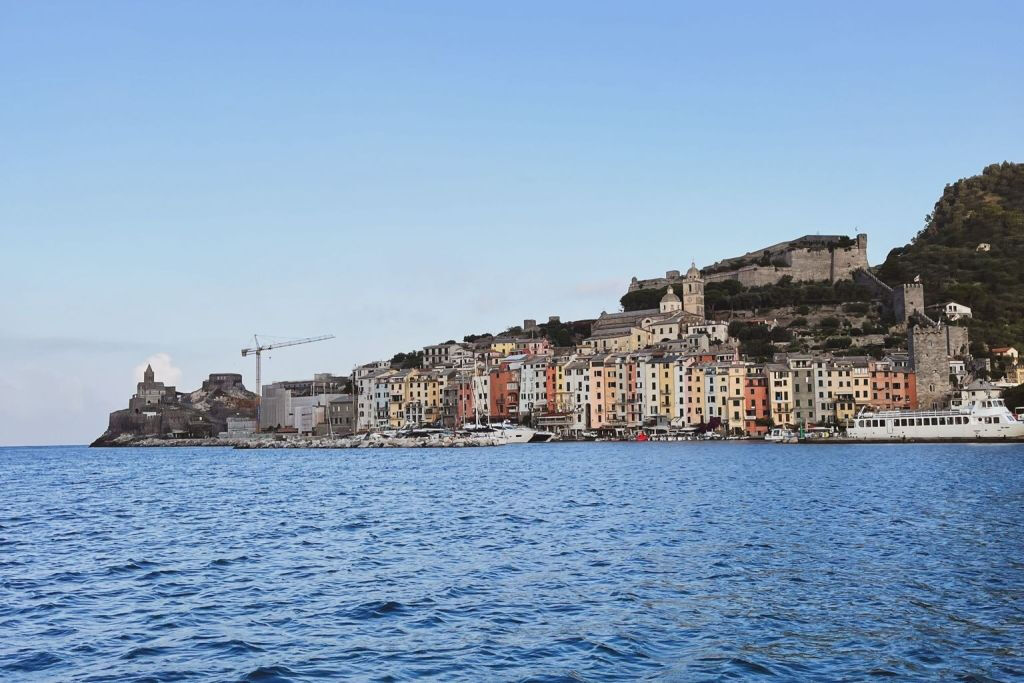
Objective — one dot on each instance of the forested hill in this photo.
(949, 256)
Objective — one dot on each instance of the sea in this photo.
(541, 562)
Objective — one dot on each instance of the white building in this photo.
(577, 385)
(954, 311)
(372, 400)
(715, 331)
(481, 395)
(240, 427)
(448, 354)
(533, 385)
(278, 408)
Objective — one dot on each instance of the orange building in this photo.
(465, 411)
(755, 403)
(504, 393)
(892, 388)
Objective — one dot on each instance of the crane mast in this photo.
(258, 350)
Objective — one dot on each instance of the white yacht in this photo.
(506, 432)
(984, 419)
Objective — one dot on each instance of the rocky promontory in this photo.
(159, 412)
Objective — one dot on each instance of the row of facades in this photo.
(574, 391)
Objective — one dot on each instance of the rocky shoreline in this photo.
(130, 441)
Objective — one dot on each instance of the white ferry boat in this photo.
(986, 419)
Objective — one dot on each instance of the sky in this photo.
(175, 177)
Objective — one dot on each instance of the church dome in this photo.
(693, 273)
(670, 296)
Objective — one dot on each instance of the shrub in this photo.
(829, 323)
(838, 343)
(856, 307)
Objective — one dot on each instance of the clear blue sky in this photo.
(177, 176)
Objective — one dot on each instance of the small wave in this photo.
(376, 609)
(157, 573)
(269, 674)
(37, 661)
(460, 591)
(751, 667)
(144, 651)
(230, 647)
(129, 566)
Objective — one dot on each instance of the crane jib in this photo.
(258, 352)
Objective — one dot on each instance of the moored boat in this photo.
(983, 419)
(505, 432)
(781, 435)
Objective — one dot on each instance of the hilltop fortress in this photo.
(811, 258)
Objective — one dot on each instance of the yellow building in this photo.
(846, 408)
(696, 410)
(398, 396)
(423, 399)
(851, 376)
(619, 340)
(666, 387)
(780, 393)
(1015, 374)
(735, 412)
(616, 369)
(504, 347)
(560, 400)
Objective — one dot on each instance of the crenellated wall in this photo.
(824, 260)
(810, 258)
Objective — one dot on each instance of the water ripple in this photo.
(554, 562)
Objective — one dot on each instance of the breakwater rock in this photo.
(273, 441)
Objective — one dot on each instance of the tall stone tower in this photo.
(693, 291)
(931, 349)
(148, 377)
(907, 300)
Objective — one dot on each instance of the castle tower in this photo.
(693, 291)
(670, 303)
(148, 376)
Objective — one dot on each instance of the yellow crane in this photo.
(258, 352)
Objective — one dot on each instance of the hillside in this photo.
(986, 209)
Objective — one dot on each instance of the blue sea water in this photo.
(589, 561)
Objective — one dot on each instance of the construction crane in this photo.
(258, 352)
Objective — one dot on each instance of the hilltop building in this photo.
(806, 259)
(157, 410)
(633, 330)
(149, 392)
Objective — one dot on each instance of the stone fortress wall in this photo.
(904, 301)
(812, 258)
